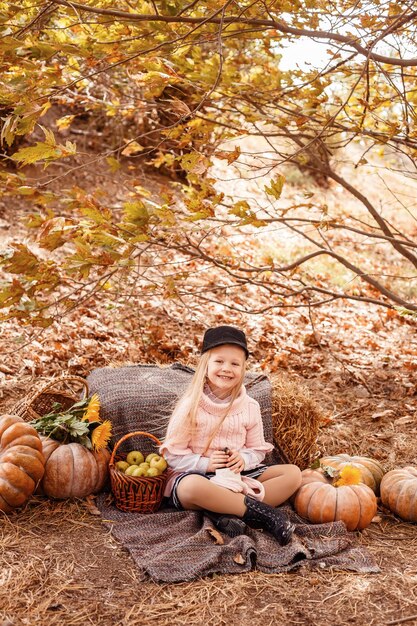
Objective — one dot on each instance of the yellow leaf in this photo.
(113, 164)
(136, 213)
(33, 154)
(64, 122)
(20, 260)
(132, 147)
(275, 186)
(141, 191)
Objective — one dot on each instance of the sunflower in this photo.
(93, 410)
(349, 475)
(101, 435)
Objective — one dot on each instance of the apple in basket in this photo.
(122, 466)
(150, 457)
(159, 463)
(135, 457)
(153, 471)
(131, 469)
(140, 471)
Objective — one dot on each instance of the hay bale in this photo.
(296, 418)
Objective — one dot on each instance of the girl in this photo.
(216, 425)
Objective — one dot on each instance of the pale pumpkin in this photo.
(371, 471)
(71, 470)
(399, 492)
(318, 501)
(21, 462)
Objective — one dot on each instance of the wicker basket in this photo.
(141, 494)
(41, 401)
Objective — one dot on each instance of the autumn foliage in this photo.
(182, 89)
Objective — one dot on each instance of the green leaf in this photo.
(331, 472)
(77, 429)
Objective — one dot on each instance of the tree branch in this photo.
(268, 24)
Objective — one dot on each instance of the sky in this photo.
(303, 52)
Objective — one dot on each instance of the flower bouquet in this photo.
(74, 445)
(80, 423)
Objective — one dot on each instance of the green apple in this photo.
(140, 471)
(159, 463)
(131, 469)
(135, 457)
(151, 456)
(153, 471)
(122, 466)
(145, 465)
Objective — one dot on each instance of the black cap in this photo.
(220, 335)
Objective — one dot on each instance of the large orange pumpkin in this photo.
(399, 492)
(371, 471)
(71, 470)
(21, 462)
(319, 501)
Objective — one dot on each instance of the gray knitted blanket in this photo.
(173, 546)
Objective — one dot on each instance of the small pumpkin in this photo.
(399, 492)
(319, 501)
(71, 470)
(371, 471)
(21, 462)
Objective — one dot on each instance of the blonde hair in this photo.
(184, 416)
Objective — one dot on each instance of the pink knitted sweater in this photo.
(241, 430)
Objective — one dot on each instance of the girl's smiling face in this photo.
(224, 369)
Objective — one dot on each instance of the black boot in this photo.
(267, 517)
(228, 524)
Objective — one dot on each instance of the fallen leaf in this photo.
(384, 436)
(109, 499)
(406, 419)
(377, 416)
(376, 520)
(238, 558)
(92, 509)
(218, 539)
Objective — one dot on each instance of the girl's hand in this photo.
(218, 459)
(235, 462)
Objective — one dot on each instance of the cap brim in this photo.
(223, 343)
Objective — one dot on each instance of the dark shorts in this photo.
(173, 500)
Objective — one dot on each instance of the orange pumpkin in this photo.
(371, 471)
(71, 470)
(21, 462)
(318, 501)
(399, 492)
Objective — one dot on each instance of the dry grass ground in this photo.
(60, 566)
